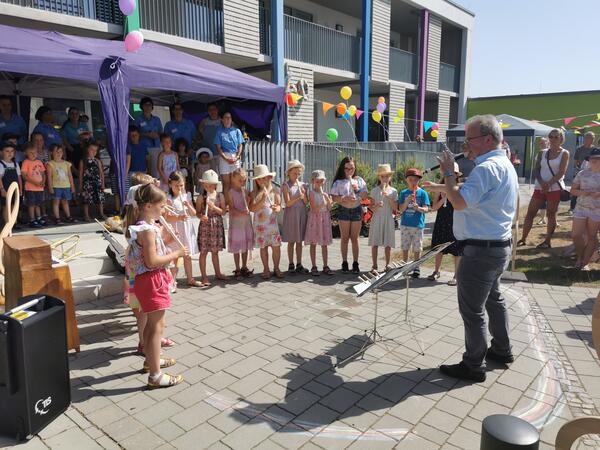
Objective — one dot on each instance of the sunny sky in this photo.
(534, 46)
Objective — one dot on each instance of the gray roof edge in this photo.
(461, 7)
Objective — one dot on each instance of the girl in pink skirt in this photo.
(318, 227)
(241, 235)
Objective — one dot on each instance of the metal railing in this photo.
(264, 29)
(403, 65)
(326, 156)
(449, 77)
(102, 10)
(201, 20)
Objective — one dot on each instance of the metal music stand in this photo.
(374, 283)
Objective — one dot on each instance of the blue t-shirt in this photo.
(71, 133)
(229, 139)
(184, 129)
(148, 126)
(51, 134)
(16, 125)
(138, 153)
(412, 218)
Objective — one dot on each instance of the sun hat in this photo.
(204, 150)
(210, 177)
(318, 175)
(595, 153)
(294, 164)
(384, 169)
(261, 171)
(412, 172)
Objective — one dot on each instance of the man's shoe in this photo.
(504, 359)
(345, 267)
(460, 370)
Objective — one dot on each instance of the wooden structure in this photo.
(28, 270)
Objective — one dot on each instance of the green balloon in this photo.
(331, 135)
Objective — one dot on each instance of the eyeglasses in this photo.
(554, 136)
(469, 139)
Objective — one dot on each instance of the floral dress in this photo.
(211, 234)
(92, 192)
(266, 229)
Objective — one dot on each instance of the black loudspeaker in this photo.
(34, 366)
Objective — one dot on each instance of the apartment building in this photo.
(419, 50)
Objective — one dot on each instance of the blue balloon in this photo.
(346, 115)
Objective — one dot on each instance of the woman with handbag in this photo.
(549, 172)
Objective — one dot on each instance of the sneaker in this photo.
(460, 370)
(355, 268)
(494, 356)
(43, 221)
(416, 273)
(452, 282)
(345, 267)
(34, 224)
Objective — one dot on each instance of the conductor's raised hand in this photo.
(446, 160)
(433, 187)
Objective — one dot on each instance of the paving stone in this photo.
(464, 438)
(441, 420)
(250, 435)
(71, 439)
(195, 415)
(145, 439)
(412, 408)
(202, 436)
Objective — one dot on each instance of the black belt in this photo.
(486, 244)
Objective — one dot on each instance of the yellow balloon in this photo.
(346, 92)
(435, 134)
(376, 115)
(352, 110)
(400, 113)
(381, 100)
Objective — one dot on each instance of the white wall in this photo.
(326, 16)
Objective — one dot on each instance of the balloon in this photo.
(381, 100)
(346, 92)
(346, 115)
(381, 107)
(341, 109)
(400, 113)
(127, 7)
(289, 100)
(331, 135)
(133, 41)
(352, 110)
(376, 115)
(435, 126)
(435, 134)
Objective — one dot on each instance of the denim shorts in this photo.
(62, 194)
(350, 214)
(34, 198)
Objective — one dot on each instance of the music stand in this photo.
(374, 283)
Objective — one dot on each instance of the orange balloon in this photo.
(341, 109)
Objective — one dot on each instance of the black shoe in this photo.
(460, 370)
(504, 359)
(34, 224)
(416, 273)
(345, 267)
(355, 268)
(300, 269)
(291, 268)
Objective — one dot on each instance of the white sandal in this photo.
(164, 380)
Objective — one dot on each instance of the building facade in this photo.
(419, 50)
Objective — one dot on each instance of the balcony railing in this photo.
(403, 65)
(102, 10)
(200, 20)
(449, 77)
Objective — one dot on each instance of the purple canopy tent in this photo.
(116, 74)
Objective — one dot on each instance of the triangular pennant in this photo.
(296, 97)
(326, 107)
(592, 124)
(577, 132)
(427, 125)
(568, 120)
(596, 122)
(598, 116)
(505, 125)
(359, 112)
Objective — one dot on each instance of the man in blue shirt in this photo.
(180, 127)
(137, 153)
(484, 209)
(150, 126)
(11, 123)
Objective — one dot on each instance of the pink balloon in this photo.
(381, 107)
(435, 126)
(127, 6)
(133, 41)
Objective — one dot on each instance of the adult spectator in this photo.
(45, 126)
(484, 208)
(150, 128)
(180, 128)
(229, 144)
(11, 123)
(586, 216)
(137, 153)
(581, 155)
(207, 129)
(549, 172)
(75, 133)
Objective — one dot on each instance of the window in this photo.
(289, 11)
(339, 27)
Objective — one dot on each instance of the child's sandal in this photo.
(237, 274)
(327, 270)
(246, 272)
(164, 363)
(166, 342)
(291, 268)
(278, 273)
(314, 271)
(165, 380)
(265, 275)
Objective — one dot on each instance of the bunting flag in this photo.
(359, 112)
(427, 125)
(577, 132)
(505, 125)
(568, 120)
(592, 124)
(296, 97)
(598, 116)
(327, 107)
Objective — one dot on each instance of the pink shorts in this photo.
(152, 290)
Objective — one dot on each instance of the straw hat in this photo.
(261, 171)
(384, 169)
(204, 150)
(318, 175)
(210, 177)
(294, 164)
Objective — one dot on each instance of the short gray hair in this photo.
(590, 134)
(488, 125)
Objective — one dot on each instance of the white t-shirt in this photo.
(7, 165)
(344, 187)
(545, 172)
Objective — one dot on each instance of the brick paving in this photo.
(259, 360)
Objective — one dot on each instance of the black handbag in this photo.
(565, 195)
